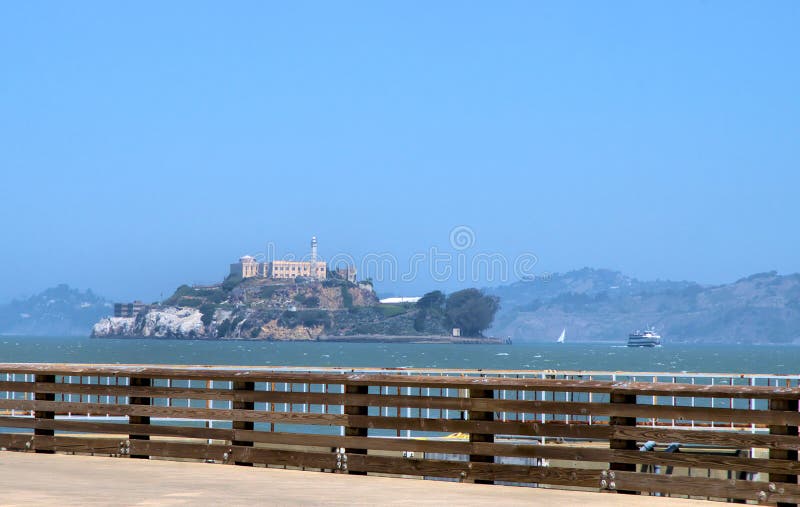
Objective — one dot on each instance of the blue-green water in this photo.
(569, 356)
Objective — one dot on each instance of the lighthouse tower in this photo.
(314, 253)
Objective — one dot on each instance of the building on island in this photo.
(292, 269)
(248, 267)
(130, 309)
(347, 273)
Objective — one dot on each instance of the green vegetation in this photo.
(308, 318)
(195, 297)
(347, 298)
(223, 328)
(268, 291)
(207, 310)
(419, 322)
(307, 301)
(430, 307)
(392, 310)
(231, 282)
(471, 310)
(432, 301)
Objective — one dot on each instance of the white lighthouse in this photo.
(314, 252)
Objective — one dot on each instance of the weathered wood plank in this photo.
(707, 487)
(117, 428)
(782, 454)
(475, 437)
(184, 412)
(720, 438)
(375, 464)
(352, 429)
(476, 471)
(241, 424)
(463, 382)
(624, 444)
(41, 413)
(17, 387)
(230, 454)
(52, 444)
(493, 427)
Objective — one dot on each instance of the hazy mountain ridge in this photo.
(604, 305)
(57, 311)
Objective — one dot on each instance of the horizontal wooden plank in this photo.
(400, 380)
(116, 428)
(16, 387)
(16, 441)
(94, 445)
(135, 391)
(201, 414)
(474, 471)
(720, 438)
(231, 454)
(485, 427)
(707, 487)
(368, 463)
(397, 423)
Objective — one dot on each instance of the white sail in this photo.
(562, 336)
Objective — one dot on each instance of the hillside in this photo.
(602, 305)
(57, 311)
(264, 309)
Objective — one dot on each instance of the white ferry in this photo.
(648, 338)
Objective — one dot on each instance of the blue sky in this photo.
(149, 144)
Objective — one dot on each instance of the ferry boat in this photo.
(647, 338)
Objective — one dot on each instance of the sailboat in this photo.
(562, 336)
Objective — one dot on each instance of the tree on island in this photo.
(432, 301)
(471, 310)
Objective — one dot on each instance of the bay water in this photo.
(528, 356)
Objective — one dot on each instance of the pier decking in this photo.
(88, 481)
(701, 435)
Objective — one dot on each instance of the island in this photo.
(303, 301)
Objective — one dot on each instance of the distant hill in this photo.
(604, 305)
(57, 311)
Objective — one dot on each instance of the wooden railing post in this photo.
(139, 419)
(783, 405)
(239, 404)
(620, 443)
(481, 415)
(40, 415)
(355, 431)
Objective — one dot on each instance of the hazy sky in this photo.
(148, 144)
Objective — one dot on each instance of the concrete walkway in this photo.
(28, 479)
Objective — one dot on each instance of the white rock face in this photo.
(169, 322)
(180, 322)
(114, 326)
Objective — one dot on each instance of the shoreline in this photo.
(409, 339)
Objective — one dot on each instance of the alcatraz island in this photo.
(289, 300)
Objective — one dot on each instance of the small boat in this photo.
(562, 336)
(647, 338)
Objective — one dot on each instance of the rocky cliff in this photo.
(163, 322)
(261, 309)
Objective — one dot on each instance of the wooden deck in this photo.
(89, 481)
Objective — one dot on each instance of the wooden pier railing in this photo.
(603, 435)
